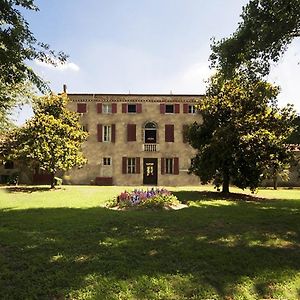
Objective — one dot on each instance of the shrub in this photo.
(151, 198)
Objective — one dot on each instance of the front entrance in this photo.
(150, 171)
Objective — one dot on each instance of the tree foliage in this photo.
(18, 46)
(51, 140)
(267, 27)
(242, 137)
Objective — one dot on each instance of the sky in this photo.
(142, 46)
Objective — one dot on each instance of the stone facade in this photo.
(135, 139)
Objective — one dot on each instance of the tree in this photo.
(267, 28)
(51, 140)
(18, 46)
(242, 137)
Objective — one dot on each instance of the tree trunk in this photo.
(52, 180)
(225, 185)
(275, 182)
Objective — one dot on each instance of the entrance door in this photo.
(150, 171)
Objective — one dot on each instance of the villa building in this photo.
(135, 139)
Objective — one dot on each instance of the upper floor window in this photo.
(169, 109)
(131, 108)
(106, 133)
(107, 108)
(192, 109)
(150, 132)
(189, 108)
(81, 108)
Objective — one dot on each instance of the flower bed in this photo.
(151, 198)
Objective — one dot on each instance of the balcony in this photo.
(150, 147)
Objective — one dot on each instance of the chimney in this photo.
(65, 88)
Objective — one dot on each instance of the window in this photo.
(107, 108)
(106, 133)
(169, 109)
(131, 108)
(169, 165)
(106, 161)
(131, 132)
(85, 128)
(192, 109)
(131, 165)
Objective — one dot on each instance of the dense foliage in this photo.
(18, 46)
(243, 134)
(51, 140)
(267, 27)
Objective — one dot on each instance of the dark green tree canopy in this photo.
(243, 134)
(267, 27)
(51, 140)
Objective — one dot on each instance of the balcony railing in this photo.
(150, 147)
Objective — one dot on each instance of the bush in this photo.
(153, 198)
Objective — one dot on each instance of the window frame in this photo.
(131, 165)
(107, 108)
(107, 161)
(192, 109)
(106, 135)
(132, 105)
(169, 106)
(169, 165)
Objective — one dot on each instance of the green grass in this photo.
(66, 244)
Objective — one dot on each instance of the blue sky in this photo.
(142, 46)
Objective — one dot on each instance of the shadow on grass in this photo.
(185, 196)
(198, 252)
(29, 189)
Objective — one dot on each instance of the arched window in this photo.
(150, 133)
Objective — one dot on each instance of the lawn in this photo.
(64, 244)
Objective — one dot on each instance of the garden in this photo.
(67, 244)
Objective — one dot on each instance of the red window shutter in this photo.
(131, 132)
(162, 108)
(124, 108)
(177, 108)
(162, 165)
(169, 133)
(99, 132)
(185, 129)
(81, 108)
(185, 108)
(139, 108)
(176, 165)
(99, 108)
(138, 167)
(114, 108)
(113, 133)
(124, 165)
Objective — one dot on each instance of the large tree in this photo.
(51, 140)
(18, 46)
(242, 137)
(266, 29)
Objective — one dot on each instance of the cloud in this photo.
(69, 66)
